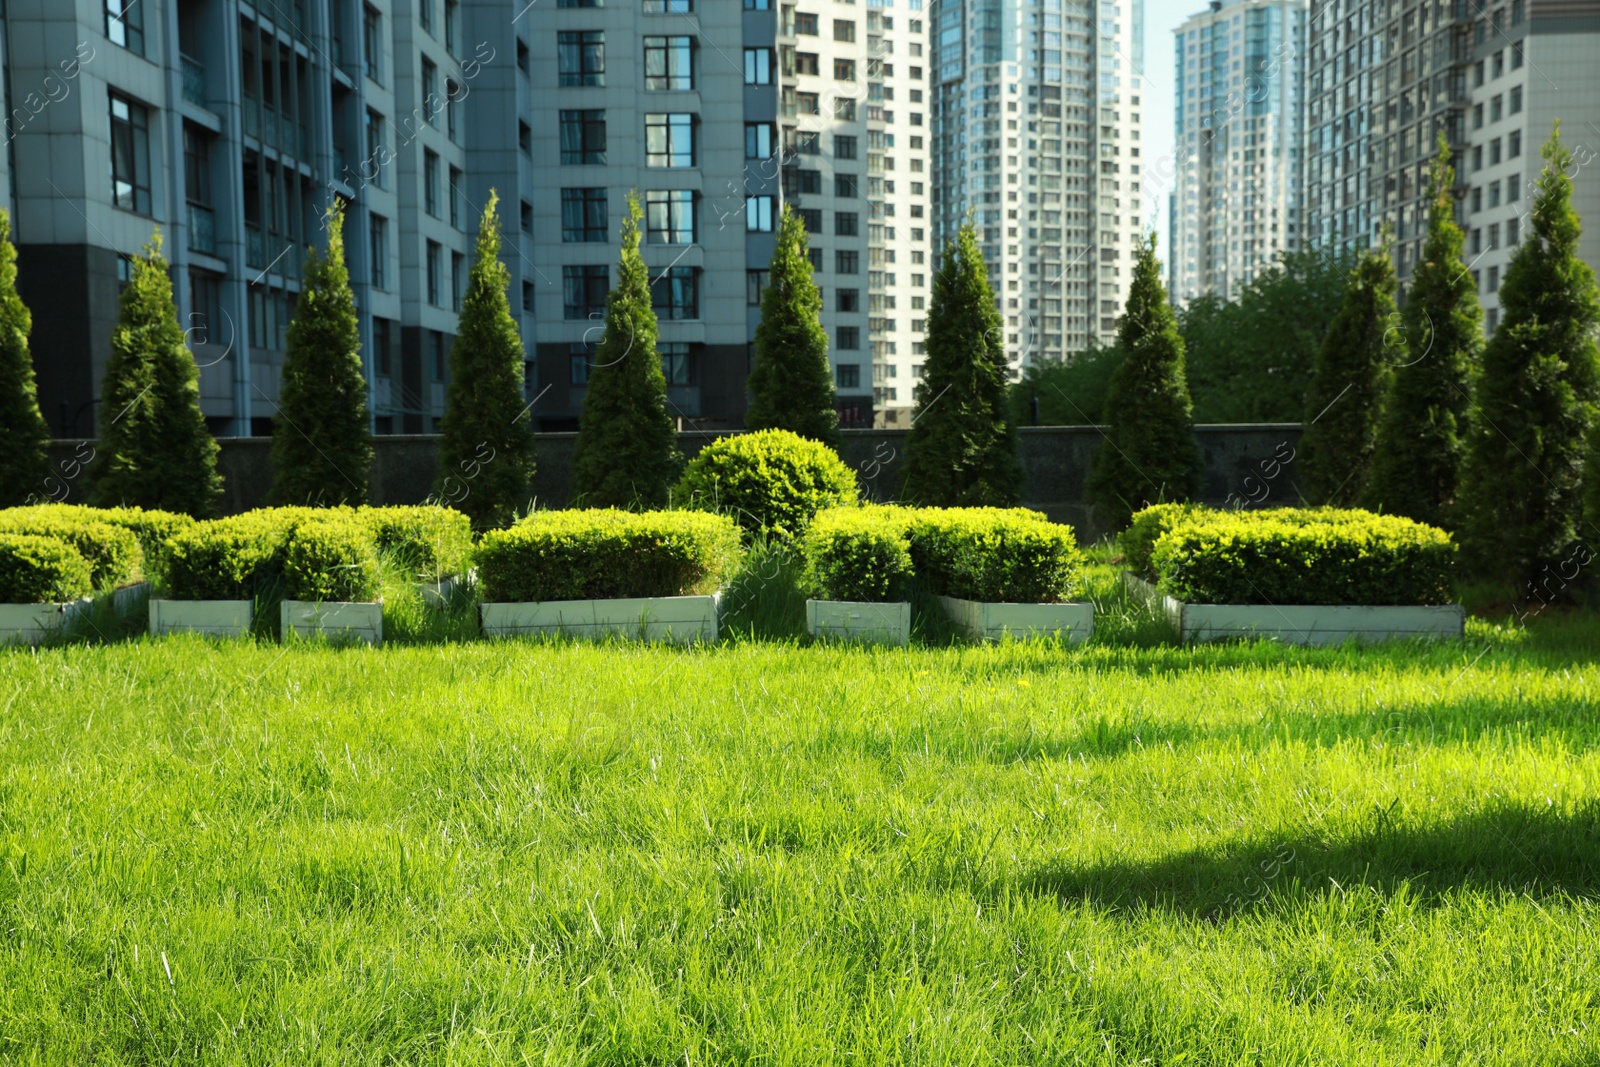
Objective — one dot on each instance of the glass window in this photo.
(849, 339)
(758, 5)
(668, 63)
(670, 217)
(844, 147)
(805, 25)
(581, 57)
(430, 181)
(377, 153)
(758, 66)
(847, 300)
(844, 30)
(675, 293)
(431, 104)
(806, 63)
(584, 290)
(435, 269)
(458, 280)
(584, 215)
(453, 195)
(847, 262)
(130, 155)
(812, 217)
(675, 366)
(846, 223)
(758, 214)
(372, 44)
(758, 140)
(844, 70)
(579, 360)
(669, 140)
(379, 237)
(847, 375)
(583, 137)
(755, 282)
(669, 7)
(845, 185)
(382, 340)
(125, 24)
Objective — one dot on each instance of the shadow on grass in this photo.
(1508, 847)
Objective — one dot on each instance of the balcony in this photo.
(202, 230)
(194, 82)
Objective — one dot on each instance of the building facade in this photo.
(1239, 136)
(1037, 125)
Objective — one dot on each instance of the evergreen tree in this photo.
(1149, 454)
(962, 449)
(24, 462)
(1348, 386)
(1417, 458)
(1522, 481)
(154, 448)
(486, 458)
(627, 449)
(321, 437)
(791, 385)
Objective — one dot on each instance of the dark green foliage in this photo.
(1348, 387)
(1305, 556)
(1071, 392)
(607, 554)
(113, 553)
(486, 456)
(859, 554)
(1249, 359)
(1417, 459)
(997, 555)
(155, 450)
(627, 449)
(24, 461)
(1522, 482)
(962, 449)
(330, 558)
(791, 384)
(1149, 453)
(41, 570)
(321, 439)
(1138, 541)
(770, 481)
(429, 541)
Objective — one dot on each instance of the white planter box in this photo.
(854, 620)
(125, 599)
(1302, 624)
(28, 624)
(219, 618)
(678, 619)
(992, 621)
(438, 594)
(362, 620)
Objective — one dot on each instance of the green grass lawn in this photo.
(518, 853)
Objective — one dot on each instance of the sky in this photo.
(1161, 17)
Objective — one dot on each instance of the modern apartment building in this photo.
(231, 127)
(1037, 125)
(1239, 136)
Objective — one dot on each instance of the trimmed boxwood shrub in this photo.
(770, 481)
(41, 570)
(1145, 529)
(151, 527)
(330, 559)
(861, 554)
(112, 552)
(242, 556)
(1305, 556)
(433, 542)
(995, 555)
(607, 554)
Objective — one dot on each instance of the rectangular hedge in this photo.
(432, 542)
(111, 550)
(858, 554)
(1304, 556)
(41, 570)
(995, 555)
(606, 554)
(295, 553)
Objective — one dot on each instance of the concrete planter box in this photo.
(992, 621)
(1305, 624)
(854, 620)
(28, 624)
(438, 594)
(362, 620)
(676, 619)
(124, 600)
(218, 618)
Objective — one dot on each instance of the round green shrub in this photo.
(41, 570)
(112, 551)
(330, 559)
(770, 481)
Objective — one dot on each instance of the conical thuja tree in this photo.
(962, 449)
(154, 448)
(321, 437)
(1149, 454)
(627, 453)
(791, 385)
(1417, 458)
(1523, 478)
(486, 458)
(24, 461)
(1349, 384)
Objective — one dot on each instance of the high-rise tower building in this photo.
(1239, 136)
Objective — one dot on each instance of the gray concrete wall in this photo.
(1252, 463)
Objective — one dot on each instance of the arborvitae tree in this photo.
(1149, 454)
(791, 385)
(321, 437)
(962, 450)
(486, 458)
(627, 450)
(1522, 482)
(1344, 402)
(154, 448)
(24, 462)
(1417, 459)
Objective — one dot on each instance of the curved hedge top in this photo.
(1305, 556)
(770, 481)
(995, 555)
(41, 570)
(112, 551)
(604, 554)
(859, 554)
(302, 553)
(434, 542)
